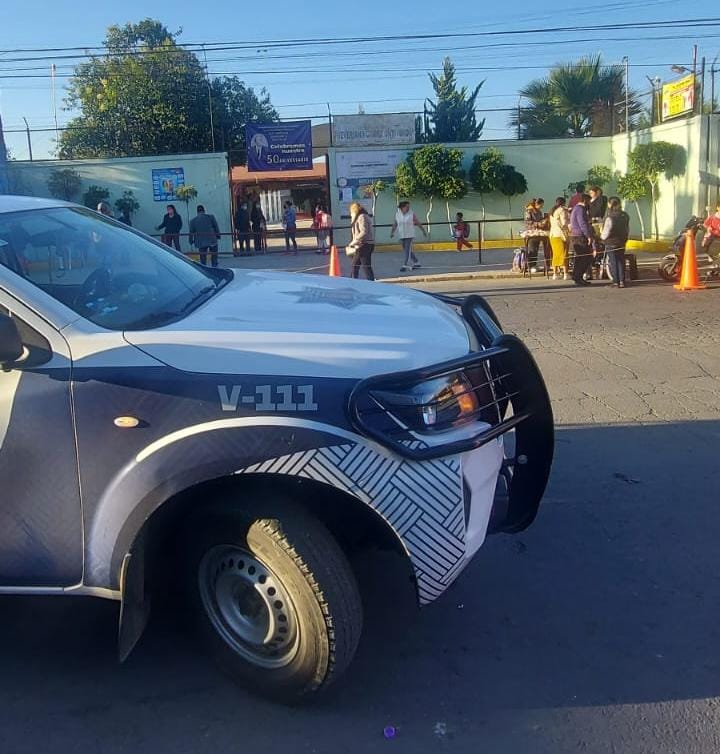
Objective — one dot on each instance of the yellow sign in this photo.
(678, 97)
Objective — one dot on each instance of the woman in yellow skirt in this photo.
(559, 235)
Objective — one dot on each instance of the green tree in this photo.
(146, 95)
(406, 182)
(584, 98)
(600, 175)
(149, 95)
(186, 193)
(453, 189)
(429, 172)
(484, 175)
(94, 195)
(64, 184)
(375, 189)
(127, 202)
(234, 105)
(511, 183)
(653, 160)
(634, 187)
(451, 118)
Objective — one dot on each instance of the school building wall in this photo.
(207, 172)
(549, 166)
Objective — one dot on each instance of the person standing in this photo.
(171, 227)
(290, 226)
(559, 236)
(405, 223)
(362, 244)
(323, 222)
(242, 228)
(535, 231)
(461, 231)
(615, 234)
(257, 225)
(205, 234)
(598, 205)
(576, 198)
(596, 212)
(316, 224)
(581, 239)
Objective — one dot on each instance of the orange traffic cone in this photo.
(689, 278)
(334, 267)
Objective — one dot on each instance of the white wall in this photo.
(688, 194)
(550, 165)
(207, 172)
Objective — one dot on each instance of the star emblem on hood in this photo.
(343, 298)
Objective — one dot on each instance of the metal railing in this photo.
(278, 234)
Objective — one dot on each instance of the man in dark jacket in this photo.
(242, 227)
(258, 225)
(598, 205)
(205, 234)
(581, 239)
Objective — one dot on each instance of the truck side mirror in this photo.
(11, 346)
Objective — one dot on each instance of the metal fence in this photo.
(260, 241)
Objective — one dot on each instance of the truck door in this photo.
(40, 512)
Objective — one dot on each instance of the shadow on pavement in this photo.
(610, 598)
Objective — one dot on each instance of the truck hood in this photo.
(270, 323)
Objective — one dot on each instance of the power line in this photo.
(423, 70)
(325, 41)
(412, 50)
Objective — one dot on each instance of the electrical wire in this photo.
(324, 41)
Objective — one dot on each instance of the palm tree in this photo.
(585, 98)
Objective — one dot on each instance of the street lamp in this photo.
(680, 69)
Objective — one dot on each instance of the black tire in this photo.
(293, 587)
(669, 268)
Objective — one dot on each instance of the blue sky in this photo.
(387, 76)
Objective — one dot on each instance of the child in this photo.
(324, 228)
(461, 231)
(712, 225)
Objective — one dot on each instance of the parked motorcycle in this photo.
(670, 266)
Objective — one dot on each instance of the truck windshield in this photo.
(106, 272)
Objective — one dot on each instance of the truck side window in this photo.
(36, 343)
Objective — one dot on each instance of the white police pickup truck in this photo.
(250, 428)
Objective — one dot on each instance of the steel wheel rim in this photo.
(248, 606)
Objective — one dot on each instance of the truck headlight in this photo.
(431, 406)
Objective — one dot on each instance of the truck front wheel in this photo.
(274, 597)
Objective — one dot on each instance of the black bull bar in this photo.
(518, 385)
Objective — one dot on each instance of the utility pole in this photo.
(53, 72)
(519, 116)
(702, 85)
(653, 109)
(210, 101)
(330, 123)
(712, 88)
(626, 60)
(29, 141)
(694, 72)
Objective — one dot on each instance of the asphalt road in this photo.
(595, 631)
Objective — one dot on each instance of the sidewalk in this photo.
(436, 265)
